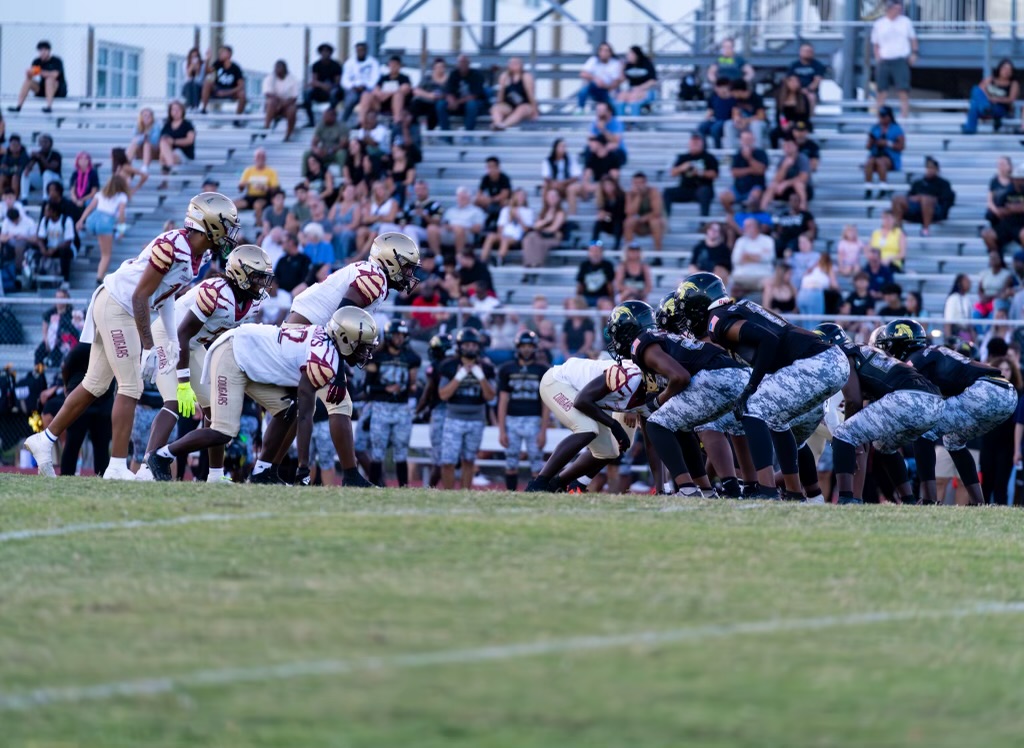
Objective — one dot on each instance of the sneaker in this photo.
(480, 481)
(267, 478)
(221, 480)
(42, 450)
(817, 500)
(689, 492)
(161, 467)
(144, 473)
(118, 470)
(14, 109)
(539, 484)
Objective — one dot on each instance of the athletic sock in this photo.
(376, 473)
(511, 481)
(165, 452)
(215, 474)
(49, 435)
(402, 471)
(260, 466)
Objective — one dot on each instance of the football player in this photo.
(265, 363)
(431, 405)
(119, 322)
(522, 416)
(390, 379)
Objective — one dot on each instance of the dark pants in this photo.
(469, 111)
(997, 463)
(96, 423)
(607, 227)
(192, 92)
(425, 108)
(702, 194)
(320, 96)
(712, 129)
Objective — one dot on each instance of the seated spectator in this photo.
(177, 138)
(803, 260)
(318, 179)
(324, 82)
(392, 90)
(406, 133)
(611, 211)
(3, 133)
(753, 255)
(719, 112)
(299, 213)
(62, 328)
(105, 213)
(358, 170)
(13, 164)
(514, 220)
(805, 144)
(359, 74)
(606, 146)
(145, 142)
(44, 77)
(809, 71)
(548, 232)
(642, 81)
(53, 250)
(791, 106)
(318, 273)
(879, 274)
(929, 201)
(460, 225)
(994, 283)
(464, 95)
(748, 115)
(382, 211)
(276, 304)
(886, 142)
(420, 213)
(577, 330)
(892, 302)
(729, 65)
(816, 286)
(849, 250)
(891, 242)
(712, 254)
(1008, 213)
(84, 183)
(633, 276)
(595, 276)
(516, 98)
(998, 186)
(315, 245)
(697, 171)
(44, 166)
(281, 98)
(292, 268)
(959, 305)
(749, 165)
(275, 216)
(792, 177)
(257, 183)
(602, 75)
(993, 98)
(224, 80)
(430, 90)
(346, 216)
(493, 193)
(17, 232)
(470, 271)
(859, 303)
(193, 71)
(789, 226)
(915, 305)
(561, 173)
(645, 215)
(778, 294)
(330, 140)
(401, 170)
(374, 136)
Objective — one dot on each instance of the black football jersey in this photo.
(522, 382)
(795, 343)
(692, 355)
(948, 370)
(386, 369)
(881, 374)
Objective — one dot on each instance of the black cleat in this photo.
(539, 485)
(761, 493)
(575, 487)
(845, 501)
(357, 481)
(267, 478)
(160, 467)
(793, 496)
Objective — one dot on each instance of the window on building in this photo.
(175, 76)
(117, 71)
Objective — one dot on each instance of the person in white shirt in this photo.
(895, 45)
(514, 220)
(358, 75)
(16, 231)
(602, 75)
(459, 226)
(375, 137)
(105, 212)
(281, 97)
(753, 255)
(54, 239)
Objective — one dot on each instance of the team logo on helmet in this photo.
(687, 286)
(904, 331)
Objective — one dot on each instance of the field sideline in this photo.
(187, 614)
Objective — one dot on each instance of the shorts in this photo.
(894, 73)
(116, 351)
(167, 378)
(892, 421)
(560, 398)
(710, 395)
(436, 433)
(913, 213)
(975, 411)
(231, 385)
(321, 446)
(743, 196)
(101, 224)
(448, 237)
(153, 138)
(795, 389)
(461, 440)
(391, 426)
(522, 434)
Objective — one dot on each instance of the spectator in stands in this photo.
(860, 303)
(471, 271)
(430, 90)
(374, 136)
(44, 77)
(791, 106)
(606, 147)
(697, 171)
(359, 74)
(224, 80)
(729, 65)
(792, 177)
(84, 183)
(993, 98)
(958, 306)
(358, 169)
(642, 81)
(120, 165)
(293, 266)
(790, 225)
(516, 99)
(929, 201)
(177, 138)
(712, 254)
(460, 225)
(382, 210)
(145, 140)
(816, 286)
(44, 166)
(595, 276)
(633, 276)
(891, 241)
(324, 82)
(895, 46)
(493, 193)
(892, 302)
(17, 231)
(193, 71)
(330, 139)
(749, 165)
(602, 75)
(998, 186)
(809, 71)
(299, 213)
(62, 328)
(914, 303)
(886, 142)
(464, 95)
(803, 259)
(748, 114)
(719, 112)
(402, 172)
(257, 184)
(548, 231)
(561, 173)
(849, 250)
(281, 98)
(420, 213)
(275, 216)
(577, 330)
(105, 213)
(406, 132)
(392, 90)
(994, 282)
(346, 218)
(645, 213)
(514, 220)
(12, 165)
(753, 254)
(316, 245)
(611, 211)
(805, 144)
(778, 294)
(276, 304)
(1009, 214)
(319, 179)
(54, 239)
(879, 274)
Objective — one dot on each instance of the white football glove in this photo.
(478, 372)
(168, 359)
(150, 364)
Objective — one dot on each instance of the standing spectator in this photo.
(281, 96)
(459, 226)
(44, 77)
(879, 274)
(12, 165)
(464, 95)
(633, 276)
(809, 71)
(145, 140)
(514, 221)
(429, 92)
(516, 99)
(719, 112)
(606, 146)
(193, 71)
(84, 183)
(749, 165)
(44, 166)
(561, 173)
(886, 142)
(998, 186)
(392, 89)
(792, 177)
(930, 199)
(466, 385)
(611, 211)
(958, 306)
(711, 254)
(791, 106)
(293, 267)
(1008, 214)
(890, 241)
(895, 46)
(645, 214)
(224, 80)
(602, 74)
(595, 276)
(993, 98)
(748, 115)
(548, 231)
(697, 171)
(420, 213)
(753, 254)
(997, 446)
(849, 250)
(257, 184)
(177, 138)
(805, 144)
(493, 193)
(119, 164)
(729, 65)
(358, 75)
(642, 81)
(778, 294)
(324, 82)
(789, 226)
(54, 240)
(577, 330)
(106, 212)
(330, 139)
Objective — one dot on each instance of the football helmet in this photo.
(354, 333)
(669, 316)
(393, 328)
(248, 268)
(399, 258)
(627, 321)
(527, 337)
(697, 296)
(215, 216)
(465, 337)
(833, 334)
(901, 337)
(439, 346)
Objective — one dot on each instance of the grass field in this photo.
(186, 615)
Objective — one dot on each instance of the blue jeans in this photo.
(634, 109)
(469, 111)
(592, 91)
(810, 301)
(982, 108)
(712, 129)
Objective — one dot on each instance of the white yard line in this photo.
(153, 686)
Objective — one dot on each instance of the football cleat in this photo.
(161, 467)
(42, 451)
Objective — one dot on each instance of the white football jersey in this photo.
(628, 389)
(213, 302)
(318, 302)
(171, 255)
(279, 355)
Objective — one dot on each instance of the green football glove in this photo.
(186, 399)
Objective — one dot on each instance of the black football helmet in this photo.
(901, 337)
(697, 295)
(393, 328)
(833, 334)
(439, 346)
(669, 316)
(466, 337)
(527, 337)
(627, 321)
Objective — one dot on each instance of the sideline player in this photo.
(466, 384)
(390, 379)
(522, 415)
(431, 405)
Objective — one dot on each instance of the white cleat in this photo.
(42, 450)
(118, 470)
(144, 473)
(223, 480)
(818, 500)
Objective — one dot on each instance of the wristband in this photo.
(183, 373)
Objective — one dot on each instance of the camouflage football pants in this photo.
(522, 434)
(975, 411)
(391, 425)
(363, 428)
(806, 424)
(802, 386)
(897, 419)
(710, 394)
(460, 440)
(436, 433)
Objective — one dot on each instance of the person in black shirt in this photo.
(324, 81)
(642, 79)
(95, 421)
(390, 381)
(522, 417)
(748, 115)
(697, 171)
(929, 199)
(788, 227)
(595, 276)
(810, 72)
(801, 133)
(749, 165)
(393, 89)
(44, 167)
(493, 193)
(471, 271)
(1008, 216)
(293, 266)
(892, 302)
(44, 77)
(224, 80)
(978, 399)
(516, 97)
(178, 136)
(712, 254)
(12, 165)
(464, 94)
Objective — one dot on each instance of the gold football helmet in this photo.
(248, 268)
(354, 333)
(399, 258)
(215, 216)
